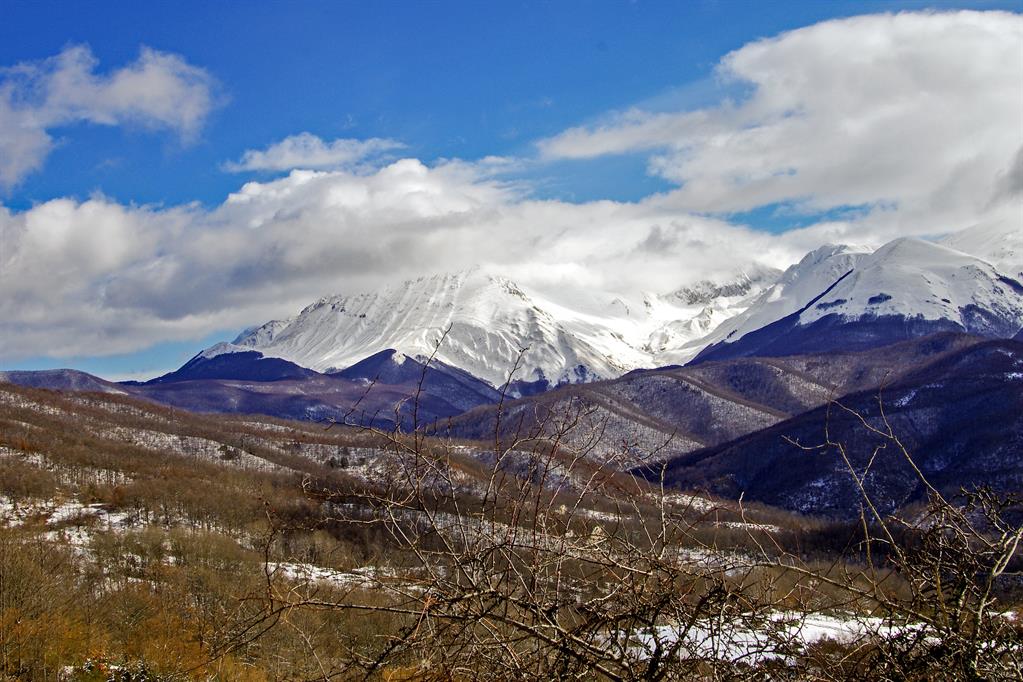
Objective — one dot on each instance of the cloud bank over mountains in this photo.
(98, 276)
(912, 120)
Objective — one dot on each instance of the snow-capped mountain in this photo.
(915, 278)
(842, 298)
(489, 319)
(802, 282)
(789, 292)
(836, 297)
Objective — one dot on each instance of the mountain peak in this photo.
(739, 283)
(913, 249)
(999, 243)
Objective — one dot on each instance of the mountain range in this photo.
(841, 298)
(485, 324)
(836, 297)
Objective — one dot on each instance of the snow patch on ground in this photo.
(366, 577)
(60, 513)
(683, 501)
(744, 525)
(15, 400)
(190, 446)
(266, 426)
(906, 399)
(776, 637)
(118, 408)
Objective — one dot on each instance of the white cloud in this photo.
(308, 151)
(920, 112)
(96, 277)
(159, 91)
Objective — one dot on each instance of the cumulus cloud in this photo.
(919, 112)
(158, 91)
(308, 151)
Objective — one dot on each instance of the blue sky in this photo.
(448, 80)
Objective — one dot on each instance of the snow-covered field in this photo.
(70, 522)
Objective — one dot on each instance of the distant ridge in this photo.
(960, 418)
(61, 379)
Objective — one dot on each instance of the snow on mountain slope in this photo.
(818, 270)
(583, 336)
(488, 318)
(914, 278)
(905, 288)
(999, 243)
(689, 314)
